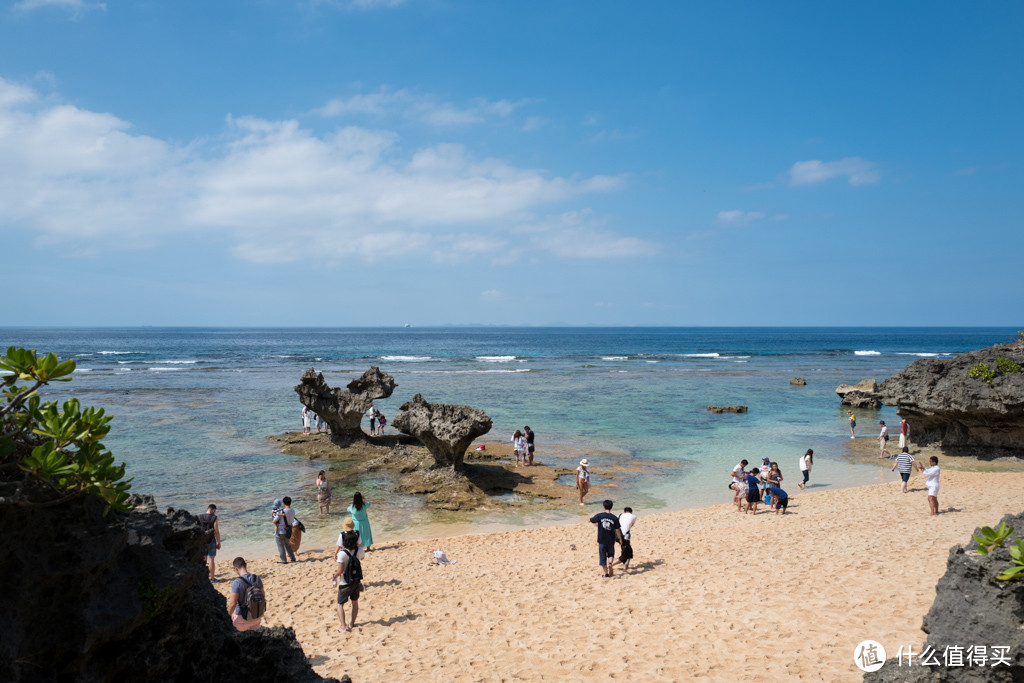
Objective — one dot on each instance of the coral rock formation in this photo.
(798, 382)
(343, 410)
(727, 409)
(446, 430)
(863, 394)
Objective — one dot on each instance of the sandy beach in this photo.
(712, 592)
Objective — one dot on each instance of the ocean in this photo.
(193, 408)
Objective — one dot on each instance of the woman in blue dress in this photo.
(358, 511)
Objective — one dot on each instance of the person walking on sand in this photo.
(348, 574)
(208, 522)
(933, 483)
(282, 532)
(518, 445)
(883, 440)
(305, 420)
(362, 522)
(583, 479)
(323, 493)
(905, 464)
(348, 528)
(296, 524)
(608, 531)
(853, 422)
(248, 601)
(904, 433)
(806, 462)
(626, 522)
(528, 433)
(738, 474)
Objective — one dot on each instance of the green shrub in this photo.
(59, 447)
(1015, 571)
(1007, 366)
(982, 371)
(992, 538)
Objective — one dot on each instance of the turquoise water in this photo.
(193, 406)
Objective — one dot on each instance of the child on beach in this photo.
(933, 483)
(780, 499)
(583, 479)
(753, 492)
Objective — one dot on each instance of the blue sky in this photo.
(375, 162)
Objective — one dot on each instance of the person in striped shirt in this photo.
(905, 464)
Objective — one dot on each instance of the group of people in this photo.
(764, 483)
(612, 529)
(309, 416)
(377, 421)
(523, 446)
(883, 438)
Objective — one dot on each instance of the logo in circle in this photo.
(869, 656)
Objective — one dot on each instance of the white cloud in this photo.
(276, 191)
(420, 107)
(75, 7)
(858, 171)
(737, 217)
(360, 4)
(581, 235)
(490, 294)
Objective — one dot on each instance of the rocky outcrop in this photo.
(798, 382)
(863, 394)
(960, 414)
(727, 409)
(124, 597)
(446, 430)
(971, 608)
(343, 410)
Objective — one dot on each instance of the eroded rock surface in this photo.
(446, 430)
(863, 394)
(960, 414)
(971, 608)
(798, 382)
(124, 598)
(727, 409)
(343, 409)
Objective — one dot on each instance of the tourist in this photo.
(247, 602)
(305, 420)
(806, 462)
(738, 473)
(362, 522)
(583, 479)
(372, 414)
(904, 433)
(626, 522)
(933, 483)
(381, 421)
(529, 443)
(348, 528)
(853, 421)
(518, 445)
(348, 575)
(774, 478)
(753, 492)
(320, 424)
(208, 522)
(295, 540)
(323, 493)
(905, 464)
(608, 532)
(282, 532)
(883, 440)
(780, 499)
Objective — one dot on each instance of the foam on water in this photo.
(867, 353)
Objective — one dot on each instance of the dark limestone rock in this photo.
(126, 598)
(446, 430)
(798, 382)
(959, 414)
(971, 607)
(343, 410)
(863, 394)
(727, 409)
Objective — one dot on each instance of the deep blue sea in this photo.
(193, 406)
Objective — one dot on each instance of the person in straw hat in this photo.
(583, 479)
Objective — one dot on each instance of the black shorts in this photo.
(754, 496)
(782, 503)
(627, 551)
(905, 476)
(605, 553)
(350, 592)
(529, 447)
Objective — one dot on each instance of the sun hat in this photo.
(348, 524)
(277, 502)
(584, 463)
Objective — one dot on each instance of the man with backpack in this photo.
(208, 523)
(349, 576)
(282, 532)
(248, 602)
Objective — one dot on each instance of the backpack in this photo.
(206, 521)
(252, 603)
(353, 569)
(348, 537)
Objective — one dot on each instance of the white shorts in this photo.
(933, 490)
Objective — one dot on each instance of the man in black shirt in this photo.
(608, 530)
(529, 443)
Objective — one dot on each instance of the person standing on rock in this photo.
(372, 414)
(853, 422)
(208, 522)
(247, 602)
(362, 521)
(905, 464)
(883, 440)
(518, 445)
(583, 479)
(904, 433)
(305, 420)
(529, 443)
(933, 483)
(282, 532)
(608, 532)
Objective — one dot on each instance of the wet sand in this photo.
(711, 592)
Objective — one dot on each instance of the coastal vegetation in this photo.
(53, 453)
